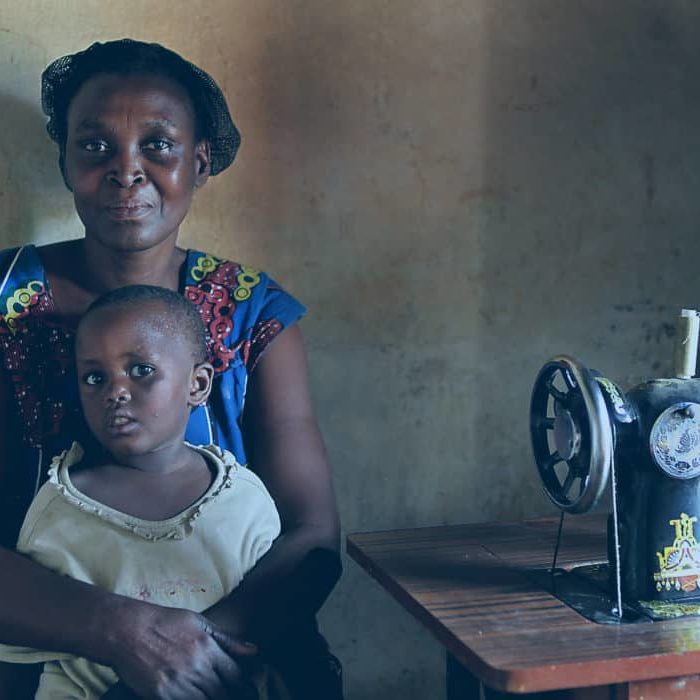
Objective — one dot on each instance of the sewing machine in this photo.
(645, 443)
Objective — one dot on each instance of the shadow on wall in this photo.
(294, 128)
(30, 187)
(356, 172)
(32, 196)
(593, 129)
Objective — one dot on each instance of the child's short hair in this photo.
(183, 318)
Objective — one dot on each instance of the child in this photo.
(140, 512)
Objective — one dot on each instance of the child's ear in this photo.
(200, 383)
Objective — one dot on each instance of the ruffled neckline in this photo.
(175, 528)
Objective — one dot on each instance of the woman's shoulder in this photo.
(19, 261)
(242, 307)
(23, 286)
(205, 269)
(233, 288)
(30, 262)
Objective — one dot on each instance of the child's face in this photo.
(137, 381)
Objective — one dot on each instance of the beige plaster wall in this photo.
(457, 189)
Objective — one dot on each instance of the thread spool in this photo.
(686, 349)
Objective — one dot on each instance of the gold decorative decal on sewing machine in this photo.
(669, 610)
(679, 565)
(613, 392)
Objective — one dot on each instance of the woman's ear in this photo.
(202, 162)
(200, 383)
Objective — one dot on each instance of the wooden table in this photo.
(467, 584)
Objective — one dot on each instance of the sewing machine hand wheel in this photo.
(571, 434)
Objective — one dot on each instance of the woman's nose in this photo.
(127, 169)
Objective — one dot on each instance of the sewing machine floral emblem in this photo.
(679, 565)
(675, 440)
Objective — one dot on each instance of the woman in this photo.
(139, 130)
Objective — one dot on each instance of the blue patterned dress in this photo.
(242, 309)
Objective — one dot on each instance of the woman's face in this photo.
(132, 159)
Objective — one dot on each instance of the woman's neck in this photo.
(105, 269)
(80, 270)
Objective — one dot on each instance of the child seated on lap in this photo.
(140, 512)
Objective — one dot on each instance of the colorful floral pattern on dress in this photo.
(17, 307)
(263, 333)
(40, 350)
(219, 285)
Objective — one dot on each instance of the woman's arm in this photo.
(158, 652)
(285, 448)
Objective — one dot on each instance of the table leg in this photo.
(682, 688)
(461, 684)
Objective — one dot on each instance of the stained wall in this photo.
(458, 190)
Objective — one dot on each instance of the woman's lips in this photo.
(124, 211)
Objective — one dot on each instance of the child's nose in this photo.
(118, 393)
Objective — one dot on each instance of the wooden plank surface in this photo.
(467, 584)
(686, 688)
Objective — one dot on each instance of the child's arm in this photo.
(286, 450)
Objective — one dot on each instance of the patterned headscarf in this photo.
(63, 78)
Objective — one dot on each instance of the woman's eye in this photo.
(139, 371)
(95, 146)
(92, 378)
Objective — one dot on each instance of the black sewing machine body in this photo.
(657, 458)
(585, 430)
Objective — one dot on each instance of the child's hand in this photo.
(174, 654)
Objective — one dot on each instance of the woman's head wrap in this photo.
(63, 78)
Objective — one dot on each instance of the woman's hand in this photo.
(160, 653)
(173, 654)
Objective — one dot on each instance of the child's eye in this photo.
(139, 371)
(93, 378)
(158, 145)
